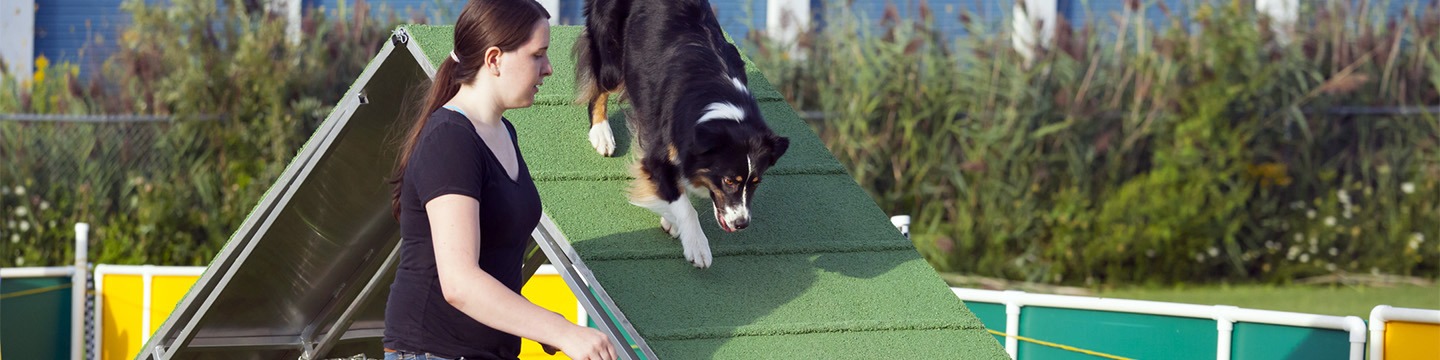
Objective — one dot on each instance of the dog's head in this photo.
(731, 162)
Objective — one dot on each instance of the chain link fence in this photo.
(56, 170)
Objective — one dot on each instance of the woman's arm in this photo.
(455, 230)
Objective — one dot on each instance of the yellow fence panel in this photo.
(1411, 340)
(1404, 333)
(123, 291)
(549, 290)
(133, 301)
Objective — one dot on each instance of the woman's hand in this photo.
(583, 343)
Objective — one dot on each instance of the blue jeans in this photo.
(406, 355)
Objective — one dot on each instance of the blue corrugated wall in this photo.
(81, 32)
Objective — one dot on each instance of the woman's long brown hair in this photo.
(505, 24)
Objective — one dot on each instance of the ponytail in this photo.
(442, 88)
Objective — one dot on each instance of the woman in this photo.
(466, 202)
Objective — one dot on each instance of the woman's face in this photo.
(523, 70)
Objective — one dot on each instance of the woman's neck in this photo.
(477, 105)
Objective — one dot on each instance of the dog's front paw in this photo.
(602, 139)
(697, 247)
(673, 230)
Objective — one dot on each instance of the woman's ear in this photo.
(492, 60)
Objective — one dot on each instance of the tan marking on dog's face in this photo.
(717, 195)
(598, 116)
(701, 182)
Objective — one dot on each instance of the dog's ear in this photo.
(778, 145)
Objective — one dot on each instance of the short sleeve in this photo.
(446, 161)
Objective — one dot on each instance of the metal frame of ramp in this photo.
(305, 275)
(588, 290)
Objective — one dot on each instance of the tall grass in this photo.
(1140, 151)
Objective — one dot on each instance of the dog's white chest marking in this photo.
(721, 111)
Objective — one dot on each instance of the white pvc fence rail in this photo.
(1225, 316)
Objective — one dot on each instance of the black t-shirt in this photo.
(450, 158)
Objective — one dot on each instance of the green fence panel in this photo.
(1138, 336)
(991, 314)
(37, 325)
(1266, 341)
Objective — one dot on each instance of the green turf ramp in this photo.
(820, 273)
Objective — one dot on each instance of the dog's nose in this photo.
(741, 223)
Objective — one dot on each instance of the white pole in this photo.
(1033, 23)
(77, 290)
(785, 20)
(148, 276)
(1012, 322)
(1225, 326)
(1377, 332)
(1356, 327)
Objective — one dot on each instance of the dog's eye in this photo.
(728, 181)
(755, 180)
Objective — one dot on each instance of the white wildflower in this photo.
(1305, 258)
(44, 205)
(1213, 251)
(14, 238)
(20, 261)
(1418, 237)
(24, 226)
(1299, 237)
(1343, 196)
(1310, 214)
(1374, 270)
(1294, 251)
(1347, 212)
(1330, 267)
(19, 190)
(1329, 221)
(21, 211)
(1408, 188)
(1200, 258)
(1334, 251)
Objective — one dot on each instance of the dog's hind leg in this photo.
(601, 137)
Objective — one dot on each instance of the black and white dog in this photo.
(696, 124)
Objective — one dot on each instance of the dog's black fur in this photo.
(671, 61)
